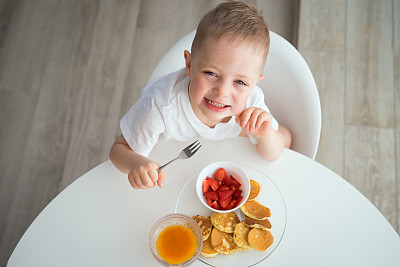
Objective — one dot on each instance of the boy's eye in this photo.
(210, 73)
(240, 82)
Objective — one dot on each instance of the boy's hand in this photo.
(255, 121)
(144, 175)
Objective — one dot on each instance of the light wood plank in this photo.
(46, 145)
(397, 128)
(21, 73)
(322, 45)
(178, 16)
(322, 25)
(370, 166)
(15, 124)
(396, 27)
(396, 23)
(369, 63)
(284, 25)
(328, 70)
(96, 115)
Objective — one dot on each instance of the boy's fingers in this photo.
(133, 183)
(245, 116)
(254, 117)
(153, 175)
(140, 184)
(136, 183)
(264, 117)
(161, 178)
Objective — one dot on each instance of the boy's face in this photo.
(223, 74)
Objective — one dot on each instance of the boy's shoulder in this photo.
(166, 87)
(256, 94)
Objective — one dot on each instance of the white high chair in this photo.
(289, 89)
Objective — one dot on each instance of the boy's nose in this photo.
(222, 89)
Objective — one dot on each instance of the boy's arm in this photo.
(271, 147)
(142, 172)
(258, 123)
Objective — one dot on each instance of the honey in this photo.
(176, 244)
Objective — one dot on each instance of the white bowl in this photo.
(231, 169)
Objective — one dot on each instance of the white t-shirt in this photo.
(164, 112)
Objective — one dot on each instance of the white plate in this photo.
(270, 196)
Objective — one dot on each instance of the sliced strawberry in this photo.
(206, 186)
(238, 200)
(220, 174)
(229, 182)
(236, 194)
(211, 195)
(215, 205)
(231, 204)
(224, 202)
(209, 201)
(223, 187)
(237, 185)
(213, 183)
(225, 194)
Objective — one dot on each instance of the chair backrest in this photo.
(289, 88)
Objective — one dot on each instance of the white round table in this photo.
(99, 220)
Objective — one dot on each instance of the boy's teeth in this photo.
(215, 104)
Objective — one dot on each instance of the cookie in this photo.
(240, 235)
(254, 189)
(225, 222)
(253, 223)
(204, 224)
(208, 251)
(255, 210)
(223, 242)
(260, 239)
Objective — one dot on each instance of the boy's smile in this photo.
(214, 106)
(223, 73)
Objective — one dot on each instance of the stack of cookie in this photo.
(224, 233)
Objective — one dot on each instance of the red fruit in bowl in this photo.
(236, 194)
(238, 200)
(225, 194)
(206, 186)
(229, 182)
(223, 187)
(220, 174)
(209, 201)
(225, 202)
(222, 192)
(235, 182)
(215, 205)
(231, 204)
(213, 183)
(211, 195)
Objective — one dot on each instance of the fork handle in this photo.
(165, 165)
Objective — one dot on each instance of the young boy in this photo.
(214, 96)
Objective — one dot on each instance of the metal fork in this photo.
(186, 153)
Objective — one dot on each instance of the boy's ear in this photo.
(260, 78)
(188, 62)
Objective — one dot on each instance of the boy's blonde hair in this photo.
(238, 20)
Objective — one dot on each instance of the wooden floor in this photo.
(69, 69)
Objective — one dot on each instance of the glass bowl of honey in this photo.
(176, 240)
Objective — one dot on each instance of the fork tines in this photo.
(194, 146)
